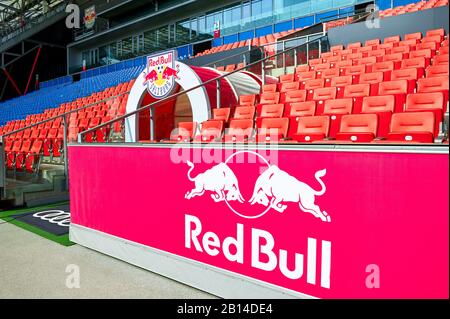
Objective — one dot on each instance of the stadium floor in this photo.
(34, 267)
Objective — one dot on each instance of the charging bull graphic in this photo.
(282, 187)
(219, 179)
(273, 189)
(161, 74)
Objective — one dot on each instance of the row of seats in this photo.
(395, 91)
(409, 127)
(411, 7)
(25, 150)
(258, 41)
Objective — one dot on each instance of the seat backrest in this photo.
(322, 66)
(372, 42)
(304, 76)
(324, 93)
(287, 78)
(383, 66)
(240, 128)
(355, 70)
(357, 90)
(185, 130)
(295, 96)
(434, 84)
(432, 38)
(302, 68)
(441, 59)
(393, 87)
(359, 123)
(371, 78)
(26, 145)
(354, 45)
(376, 53)
(244, 112)
(367, 61)
(341, 80)
(413, 36)
(434, 32)
(392, 39)
(427, 45)
(400, 49)
(418, 62)
(313, 125)
(314, 84)
(380, 103)
(330, 73)
(424, 101)
(269, 98)
(37, 146)
(272, 110)
(212, 128)
(269, 88)
(424, 53)
(338, 47)
(222, 114)
(313, 62)
(52, 133)
(404, 74)
(412, 122)
(278, 126)
(289, 86)
(339, 106)
(437, 70)
(247, 100)
(393, 57)
(16, 146)
(307, 108)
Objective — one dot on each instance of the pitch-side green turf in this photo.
(5, 215)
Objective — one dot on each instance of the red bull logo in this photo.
(274, 189)
(160, 74)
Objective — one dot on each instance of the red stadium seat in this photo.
(431, 102)
(289, 86)
(247, 100)
(340, 82)
(312, 128)
(440, 32)
(392, 39)
(398, 88)
(383, 106)
(244, 113)
(357, 92)
(413, 36)
(272, 110)
(311, 85)
(437, 70)
(222, 114)
(385, 67)
(335, 109)
(239, 131)
(410, 75)
(434, 84)
(412, 127)
(355, 71)
(269, 88)
(210, 131)
(373, 42)
(321, 95)
(441, 59)
(373, 79)
(272, 130)
(361, 128)
(425, 53)
(305, 76)
(287, 78)
(418, 63)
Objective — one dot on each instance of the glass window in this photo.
(246, 15)
(210, 22)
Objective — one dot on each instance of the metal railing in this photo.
(260, 63)
(65, 121)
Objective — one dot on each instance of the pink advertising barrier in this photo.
(329, 224)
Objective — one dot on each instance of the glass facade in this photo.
(242, 17)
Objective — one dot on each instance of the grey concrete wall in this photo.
(420, 21)
(251, 56)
